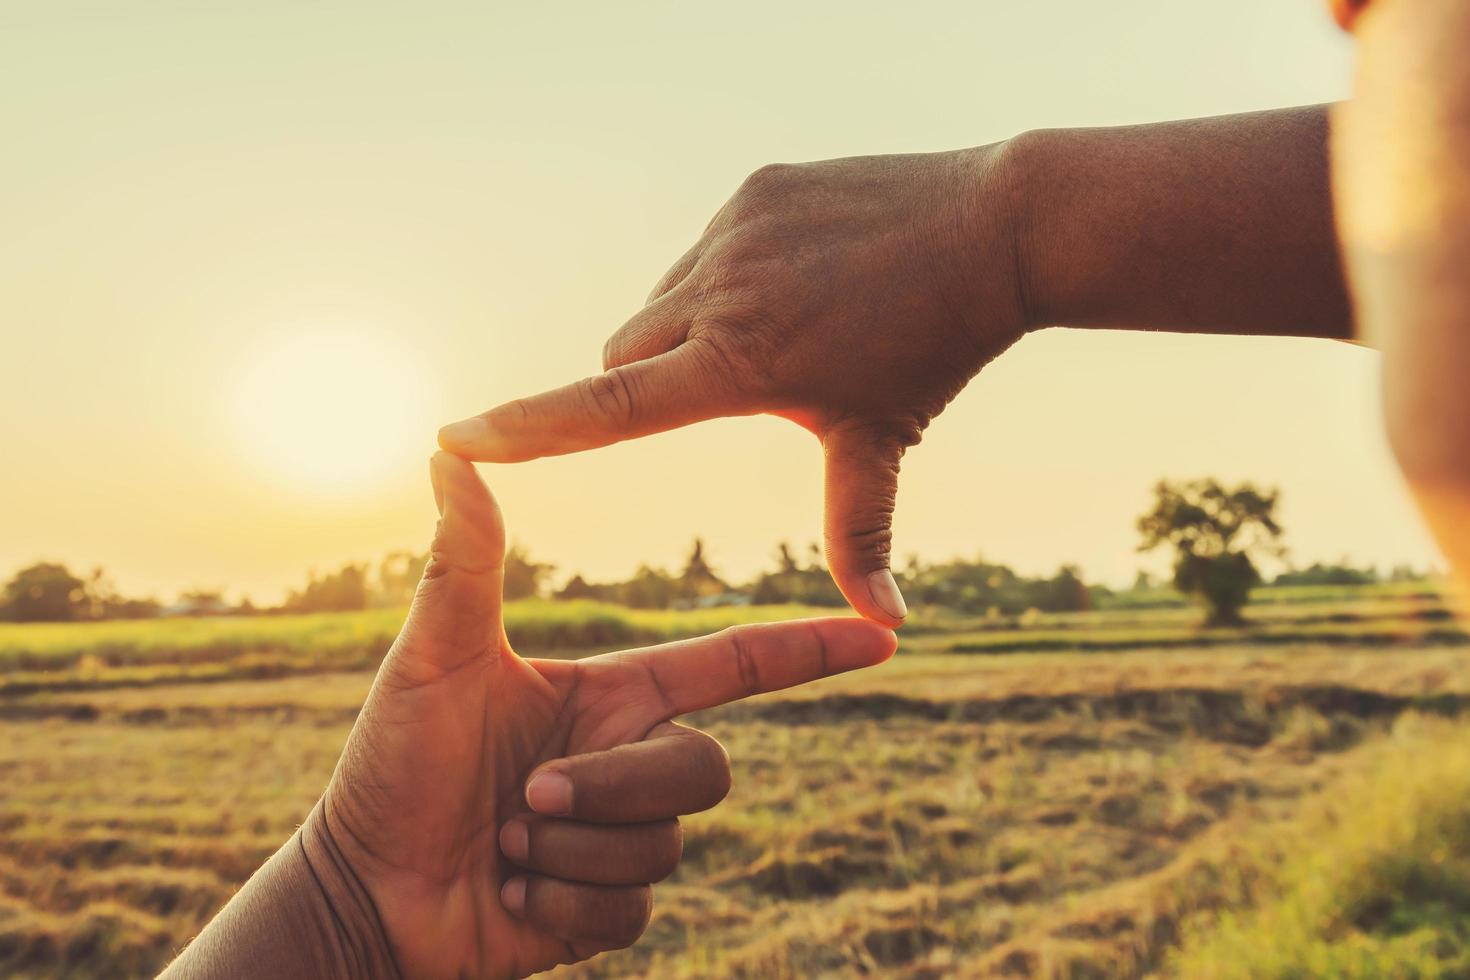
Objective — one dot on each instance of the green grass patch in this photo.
(344, 640)
(1372, 881)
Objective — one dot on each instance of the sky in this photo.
(255, 254)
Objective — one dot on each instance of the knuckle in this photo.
(714, 767)
(626, 921)
(745, 664)
(610, 395)
(665, 850)
(513, 413)
(870, 539)
(768, 179)
(741, 339)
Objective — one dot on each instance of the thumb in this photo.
(456, 612)
(862, 485)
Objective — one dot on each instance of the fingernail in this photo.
(513, 895)
(434, 482)
(464, 434)
(884, 590)
(515, 841)
(550, 793)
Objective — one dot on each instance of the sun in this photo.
(333, 410)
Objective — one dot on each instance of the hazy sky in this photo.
(255, 253)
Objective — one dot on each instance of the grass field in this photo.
(1117, 795)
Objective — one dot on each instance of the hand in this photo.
(476, 871)
(854, 297)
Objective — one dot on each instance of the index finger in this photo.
(663, 392)
(755, 659)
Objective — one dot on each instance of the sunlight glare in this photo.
(334, 410)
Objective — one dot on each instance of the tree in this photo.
(1318, 573)
(698, 578)
(201, 602)
(785, 560)
(398, 576)
(1065, 592)
(524, 578)
(579, 588)
(1215, 532)
(342, 590)
(649, 588)
(46, 592)
(790, 582)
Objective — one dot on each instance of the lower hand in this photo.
(475, 869)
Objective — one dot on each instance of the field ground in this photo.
(1118, 794)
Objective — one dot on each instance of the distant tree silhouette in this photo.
(1341, 573)
(340, 591)
(649, 588)
(1066, 591)
(578, 588)
(524, 578)
(698, 579)
(46, 592)
(1214, 532)
(785, 560)
(791, 582)
(979, 586)
(202, 602)
(398, 576)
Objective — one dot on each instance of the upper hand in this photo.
(854, 297)
(476, 871)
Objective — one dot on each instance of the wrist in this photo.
(1023, 162)
(985, 280)
(301, 915)
(338, 895)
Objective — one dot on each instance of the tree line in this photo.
(1218, 534)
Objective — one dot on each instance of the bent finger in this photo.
(599, 854)
(656, 329)
(674, 771)
(861, 492)
(599, 917)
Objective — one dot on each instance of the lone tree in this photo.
(1215, 532)
(46, 592)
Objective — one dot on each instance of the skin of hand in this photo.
(857, 297)
(1401, 177)
(493, 816)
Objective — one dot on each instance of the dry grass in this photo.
(1038, 814)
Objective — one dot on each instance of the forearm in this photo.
(302, 915)
(1401, 161)
(1219, 225)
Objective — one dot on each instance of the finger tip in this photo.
(883, 590)
(513, 896)
(549, 793)
(515, 840)
(446, 468)
(860, 643)
(457, 475)
(880, 643)
(464, 437)
(873, 593)
(471, 525)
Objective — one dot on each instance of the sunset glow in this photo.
(331, 410)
